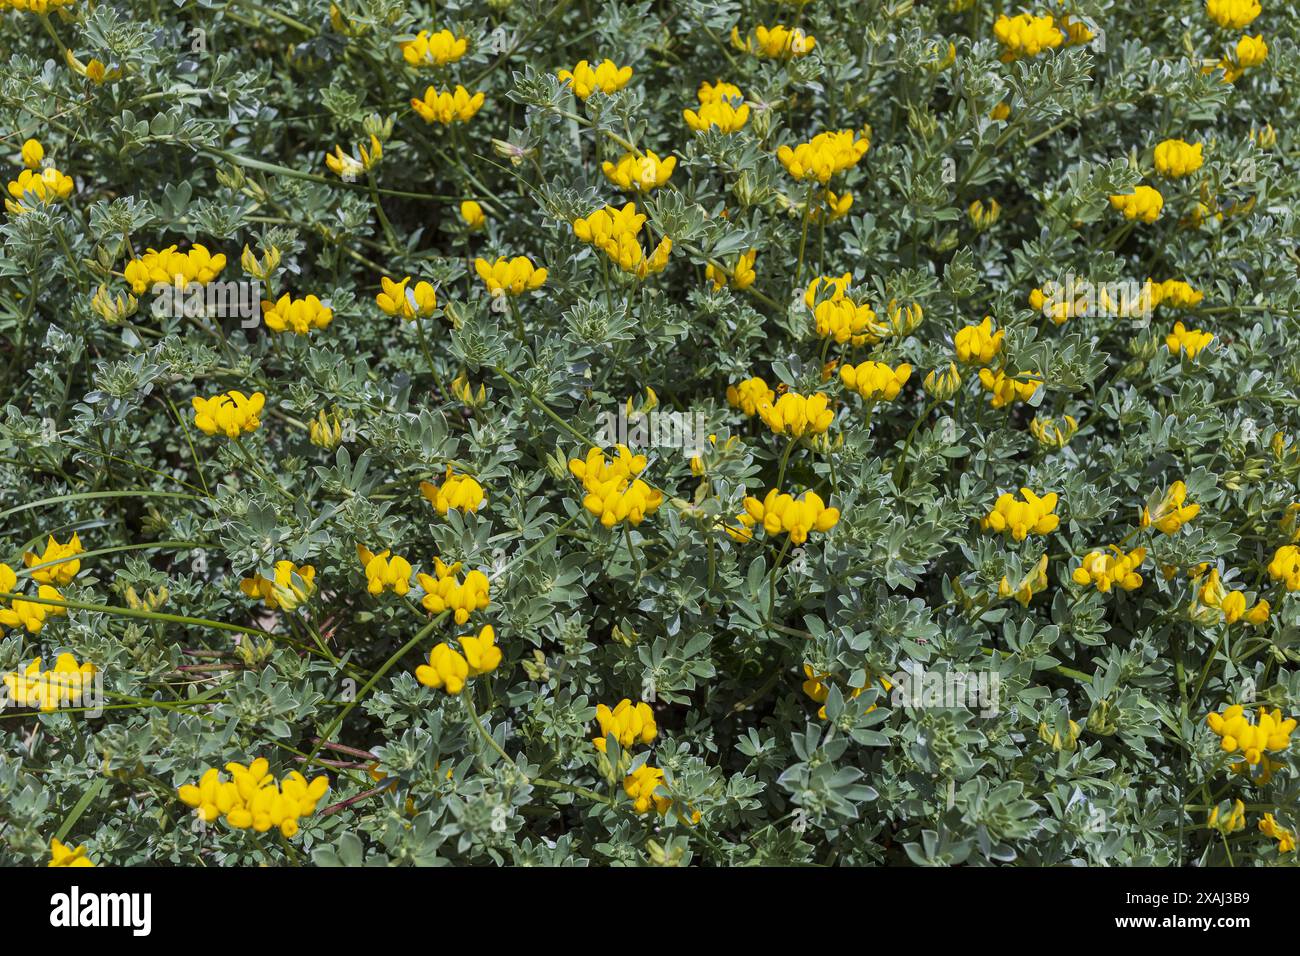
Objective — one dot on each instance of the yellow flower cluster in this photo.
(62, 685)
(1053, 433)
(876, 381)
(350, 168)
(385, 571)
(742, 275)
(1176, 158)
(472, 214)
(449, 669)
(1026, 35)
(434, 49)
(798, 415)
(1032, 515)
(510, 276)
(750, 395)
(169, 267)
(290, 586)
(836, 206)
(23, 613)
(615, 231)
(1172, 292)
(447, 592)
(1170, 512)
(837, 316)
(781, 513)
(32, 153)
(1234, 822)
(642, 786)
(46, 186)
(943, 383)
(777, 42)
(35, 6)
(1117, 569)
(639, 173)
(397, 298)
(978, 344)
(1233, 14)
(1269, 734)
(613, 492)
(47, 572)
(1004, 389)
(299, 316)
(1285, 838)
(824, 155)
(1143, 204)
(1285, 566)
(456, 491)
(817, 686)
(585, 79)
(1183, 340)
(63, 855)
(1232, 604)
(630, 724)
(722, 106)
(1034, 582)
(231, 414)
(449, 106)
(252, 798)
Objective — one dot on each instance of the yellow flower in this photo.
(1102, 570)
(629, 723)
(1000, 112)
(1004, 389)
(1174, 293)
(1284, 567)
(56, 574)
(71, 856)
(606, 76)
(612, 489)
(510, 276)
(781, 513)
(231, 414)
(64, 684)
(722, 107)
(290, 586)
(816, 686)
(460, 492)
(983, 215)
(450, 106)
(349, 168)
(1233, 822)
(978, 344)
(1269, 827)
(742, 276)
(1185, 340)
(834, 206)
(749, 395)
(1232, 14)
(1143, 204)
(1169, 513)
(876, 381)
(1032, 515)
(472, 214)
(33, 153)
(824, 155)
(615, 231)
(171, 267)
(1026, 35)
(1251, 51)
(449, 670)
(777, 42)
(943, 383)
(642, 785)
(25, 613)
(1176, 158)
(299, 316)
(798, 415)
(385, 571)
(45, 186)
(1053, 738)
(905, 319)
(639, 172)
(1269, 733)
(836, 316)
(1076, 32)
(1053, 434)
(1231, 604)
(447, 592)
(406, 303)
(251, 798)
(1034, 582)
(434, 49)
